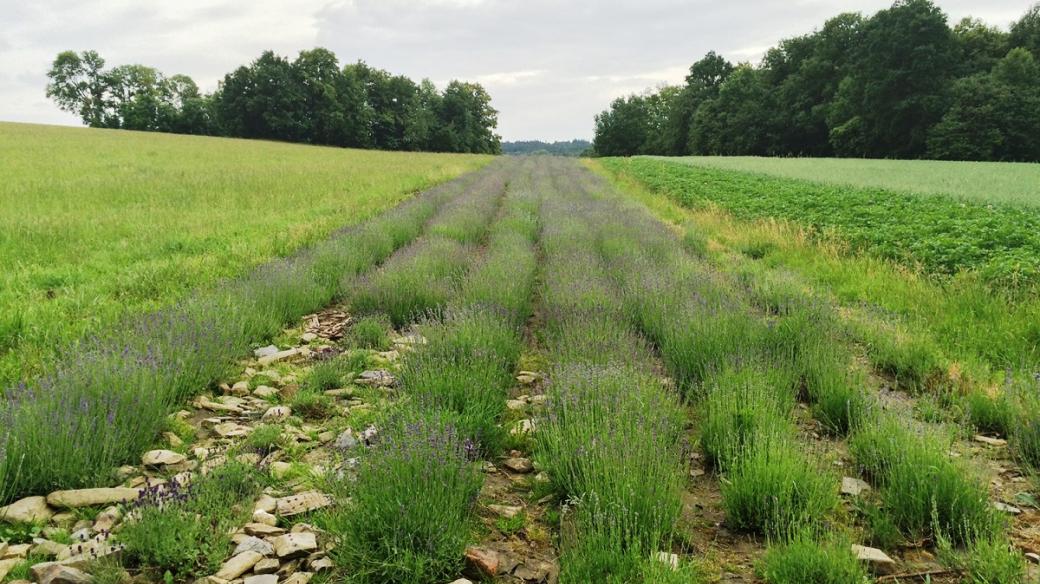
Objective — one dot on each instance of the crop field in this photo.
(980, 182)
(549, 371)
(95, 225)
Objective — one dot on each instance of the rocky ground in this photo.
(65, 537)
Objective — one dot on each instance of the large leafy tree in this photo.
(1025, 32)
(78, 85)
(896, 86)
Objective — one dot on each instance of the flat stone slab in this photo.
(27, 510)
(92, 497)
(301, 503)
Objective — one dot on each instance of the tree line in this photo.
(310, 99)
(899, 84)
(574, 147)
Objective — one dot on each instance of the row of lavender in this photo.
(746, 370)
(411, 510)
(108, 399)
(611, 439)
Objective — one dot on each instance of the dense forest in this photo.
(310, 99)
(559, 148)
(899, 84)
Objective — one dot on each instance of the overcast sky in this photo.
(550, 65)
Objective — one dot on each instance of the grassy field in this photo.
(998, 243)
(986, 182)
(551, 374)
(95, 224)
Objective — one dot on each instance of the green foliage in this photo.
(924, 491)
(776, 490)
(942, 235)
(409, 519)
(264, 438)
(370, 332)
(848, 89)
(167, 535)
(994, 560)
(806, 560)
(307, 100)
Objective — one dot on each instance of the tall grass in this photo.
(107, 400)
(97, 226)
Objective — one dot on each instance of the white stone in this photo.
(853, 487)
(302, 503)
(27, 510)
(162, 458)
(92, 497)
(238, 565)
(294, 545)
(878, 559)
(277, 414)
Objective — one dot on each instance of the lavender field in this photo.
(532, 373)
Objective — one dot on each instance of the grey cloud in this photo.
(549, 65)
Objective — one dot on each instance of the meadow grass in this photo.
(99, 224)
(986, 182)
(118, 388)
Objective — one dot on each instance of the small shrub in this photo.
(410, 514)
(741, 406)
(327, 374)
(993, 560)
(804, 560)
(695, 242)
(313, 404)
(370, 332)
(264, 439)
(993, 414)
(166, 534)
(922, 489)
(774, 489)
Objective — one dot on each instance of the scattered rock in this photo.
(668, 559)
(262, 530)
(518, 465)
(60, 574)
(92, 497)
(265, 351)
(107, 519)
(27, 510)
(240, 388)
(173, 440)
(515, 404)
(1010, 509)
(160, 458)
(299, 578)
(462, 581)
(261, 579)
(265, 392)
(990, 441)
(340, 392)
(279, 469)
(321, 564)
(266, 566)
(527, 377)
(308, 337)
(522, 428)
(231, 430)
(302, 503)
(294, 545)
(875, 558)
(375, 378)
(276, 414)
(204, 403)
(507, 511)
(281, 356)
(239, 564)
(483, 562)
(17, 551)
(534, 571)
(7, 565)
(266, 503)
(254, 544)
(853, 487)
(265, 518)
(346, 440)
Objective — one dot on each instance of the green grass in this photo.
(1001, 243)
(95, 224)
(988, 182)
(803, 560)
